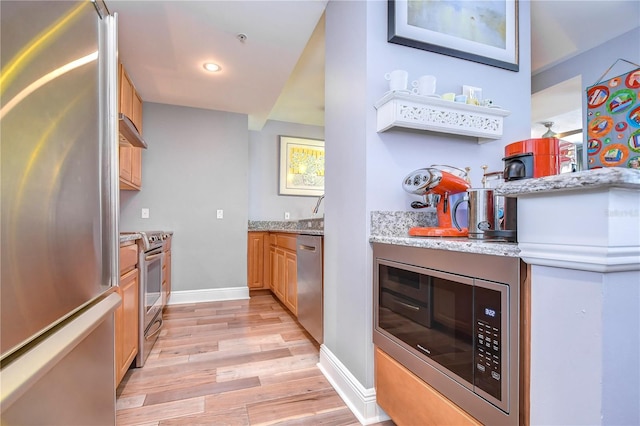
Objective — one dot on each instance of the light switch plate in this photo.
(144, 213)
(219, 214)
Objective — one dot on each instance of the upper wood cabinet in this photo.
(126, 94)
(136, 110)
(130, 157)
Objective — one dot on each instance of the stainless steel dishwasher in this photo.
(309, 253)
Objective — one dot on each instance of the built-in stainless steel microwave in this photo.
(452, 319)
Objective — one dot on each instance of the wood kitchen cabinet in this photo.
(126, 315)
(283, 269)
(130, 157)
(409, 400)
(166, 272)
(291, 281)
(258, 260)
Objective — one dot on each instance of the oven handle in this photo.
(152, 335)
(153, 256)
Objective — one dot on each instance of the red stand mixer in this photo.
(436, 185)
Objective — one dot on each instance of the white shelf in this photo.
(400, 109)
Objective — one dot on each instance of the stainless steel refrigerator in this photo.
(59, 250)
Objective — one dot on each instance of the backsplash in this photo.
(397, 223)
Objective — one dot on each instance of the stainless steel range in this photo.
(150, 262)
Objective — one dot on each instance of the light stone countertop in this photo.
(392, 227)
(586, 179)
(313, 226)
(129, 237)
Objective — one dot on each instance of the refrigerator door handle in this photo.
(18, 376)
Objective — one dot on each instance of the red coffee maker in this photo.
(531, 158)
(436, 186)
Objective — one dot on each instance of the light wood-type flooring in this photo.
(245, 362)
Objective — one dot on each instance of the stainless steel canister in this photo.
(482, 214)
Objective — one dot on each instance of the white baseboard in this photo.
(360, 400)
(208, 295)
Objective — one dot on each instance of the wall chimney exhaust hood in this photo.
(128, 133)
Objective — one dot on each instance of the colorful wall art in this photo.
(613, 122)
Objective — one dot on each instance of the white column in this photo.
(583, 243)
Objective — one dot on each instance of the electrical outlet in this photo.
(144, 213)
(219, 214)
(286, 215)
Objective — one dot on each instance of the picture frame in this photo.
(301, 166)
(480, 31)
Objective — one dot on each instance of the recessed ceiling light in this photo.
(210, 66)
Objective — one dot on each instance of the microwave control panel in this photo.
(488, 342)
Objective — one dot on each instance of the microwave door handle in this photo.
(406, 305)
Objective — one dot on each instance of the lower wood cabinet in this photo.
(410, 401)
(272, 264)
(126, 315)
(258, 260)
(290, 289)
(284, 269)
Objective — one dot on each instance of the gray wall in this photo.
(364, 169)
(196, 163)
(264, 166)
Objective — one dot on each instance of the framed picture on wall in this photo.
(301, 166)
(479, 31)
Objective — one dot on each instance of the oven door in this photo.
(152, 284)
(150, 317)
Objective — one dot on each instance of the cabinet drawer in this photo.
(287, 242)
(128, 258)
(409, 400)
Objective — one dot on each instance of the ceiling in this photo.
(277, 73)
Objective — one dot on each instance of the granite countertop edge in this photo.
(289, 226)
(465, 245)
(613, 177)
(129, 237)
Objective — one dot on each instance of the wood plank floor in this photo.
(245, 362)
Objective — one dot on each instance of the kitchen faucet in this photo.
(315, 209)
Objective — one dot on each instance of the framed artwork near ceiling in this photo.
(301, 166)
(479, 31)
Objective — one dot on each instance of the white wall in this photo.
(364, 169)
(196, 163)
(591, 65)
(264, 165)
